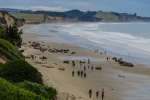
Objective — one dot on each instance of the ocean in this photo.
(131, 41)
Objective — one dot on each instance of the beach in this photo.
(119, 82)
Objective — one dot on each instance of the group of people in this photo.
(97, 94)
(79, 73)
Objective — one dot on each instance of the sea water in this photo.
(131, 41)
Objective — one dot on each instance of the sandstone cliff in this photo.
(7, 19)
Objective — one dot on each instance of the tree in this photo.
(14, 35)
(135, 14)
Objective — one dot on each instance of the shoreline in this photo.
(110, 70)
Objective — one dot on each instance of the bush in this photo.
(10, 92)
(20, 70)
(47, 92)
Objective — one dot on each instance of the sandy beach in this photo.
(119, 82)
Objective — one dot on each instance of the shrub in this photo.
(10, 92)
(47, 92)
(20, 70)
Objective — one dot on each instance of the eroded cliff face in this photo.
(9, 20)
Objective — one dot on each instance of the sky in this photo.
(140, 7)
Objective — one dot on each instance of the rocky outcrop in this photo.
(123, 63)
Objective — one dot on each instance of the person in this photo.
(97, 94)
(72, 63)
(107, 58)
(90, 93)
(88, 66)
(102, 93)
(78, 72)
(73, 73)
(81, 73)
(84, 74)
(92, 68)
(84, 68)
(88, 61)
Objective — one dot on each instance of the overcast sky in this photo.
(141, 7)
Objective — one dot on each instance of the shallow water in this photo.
(82, 58)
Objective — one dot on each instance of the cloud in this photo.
(46, 8)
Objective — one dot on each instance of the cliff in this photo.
(7, 19)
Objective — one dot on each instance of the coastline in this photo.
(116, 87)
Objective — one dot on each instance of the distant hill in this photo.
(77, 15)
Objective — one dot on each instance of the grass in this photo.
(27, 16)
(7, 49)
(106, 16)
(10, 92)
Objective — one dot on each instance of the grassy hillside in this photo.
(8, 51)
(106, 16)
(10, 92)
(27, 16)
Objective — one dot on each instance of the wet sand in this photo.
(119, 82)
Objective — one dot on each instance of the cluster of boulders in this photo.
(82, 62)
(67, 62)
(57, 50)
(43, 57)
(123, 63)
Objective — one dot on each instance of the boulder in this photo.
(82, 62)
(73, 52)
(67, 62)
(114, 58)
(98, 68)
(61, 68)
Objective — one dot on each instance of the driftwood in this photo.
(73, 52)
(81, 61)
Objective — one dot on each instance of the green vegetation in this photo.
(106, 16)
(14, 35)
(20, 70)
(47, 92)
(11, 92)
(17, 70)
(28, 17)
(7, 49)
(2, 20)
(50, 13)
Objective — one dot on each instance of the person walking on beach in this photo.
(78, 72)
(90, 93)
(92, 67)
(84, 74)
(73, 73)
(102, 94)
(88, 61)
(107, 58)
(97, 94)
(81, 73)
(84, 68)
